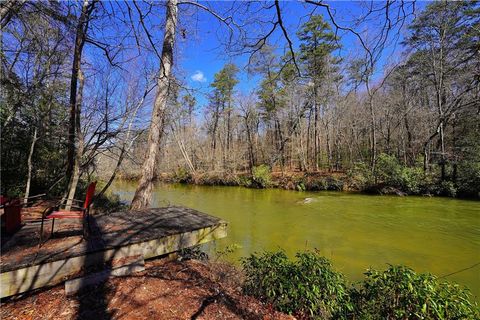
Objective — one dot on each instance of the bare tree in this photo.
(74, 140)
(143, 194)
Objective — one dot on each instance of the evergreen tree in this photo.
(318, 43)
(224, 85)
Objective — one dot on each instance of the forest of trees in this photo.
(93, 89)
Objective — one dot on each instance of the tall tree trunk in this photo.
(251, 153)
(441, 101)
(229, 125)
(30, 166)
(455, 154)
(309, 125)
(315, 128)
(410, 155)
(409, 152)
(426, 152)
(216, 117)
(183, 150)
(425, 157)
(80, 37)
(280, 142)
(78, 143)
(442, 149)
(143, 194)
(303, 154)
(226, 136)
(329, 147)
(373, 148)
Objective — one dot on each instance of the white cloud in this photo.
(198, 76)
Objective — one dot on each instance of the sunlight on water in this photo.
(438, 235)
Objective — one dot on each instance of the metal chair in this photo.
(78, 213)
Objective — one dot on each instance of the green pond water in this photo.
(436, 235)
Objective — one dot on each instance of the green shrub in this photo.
(334, 184)
(448, 188)
(182, 175)
(310, 288)
(469, 178)
(360, 176)
(300, 186)
(410, 179)
(400, 293)
(216, 178)
(388, 170)
(428, 184)
(244, 181)
(261, 176)
(307, 286)
(322, 184)
(391, 173)
(316, 184)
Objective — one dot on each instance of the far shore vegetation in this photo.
(390, 178)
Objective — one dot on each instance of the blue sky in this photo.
(199, 51)
(201, 56)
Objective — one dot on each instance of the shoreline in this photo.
(297, 181)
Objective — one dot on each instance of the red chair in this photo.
(12, 215)
(12, 211)
(3, 201)
(79, 212)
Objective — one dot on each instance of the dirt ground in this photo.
(165, 290)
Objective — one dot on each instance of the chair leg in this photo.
(89, 226)
(53, 224)
(84, 227)
(41, 233)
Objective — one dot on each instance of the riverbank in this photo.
(307, 287)
(400, 184)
